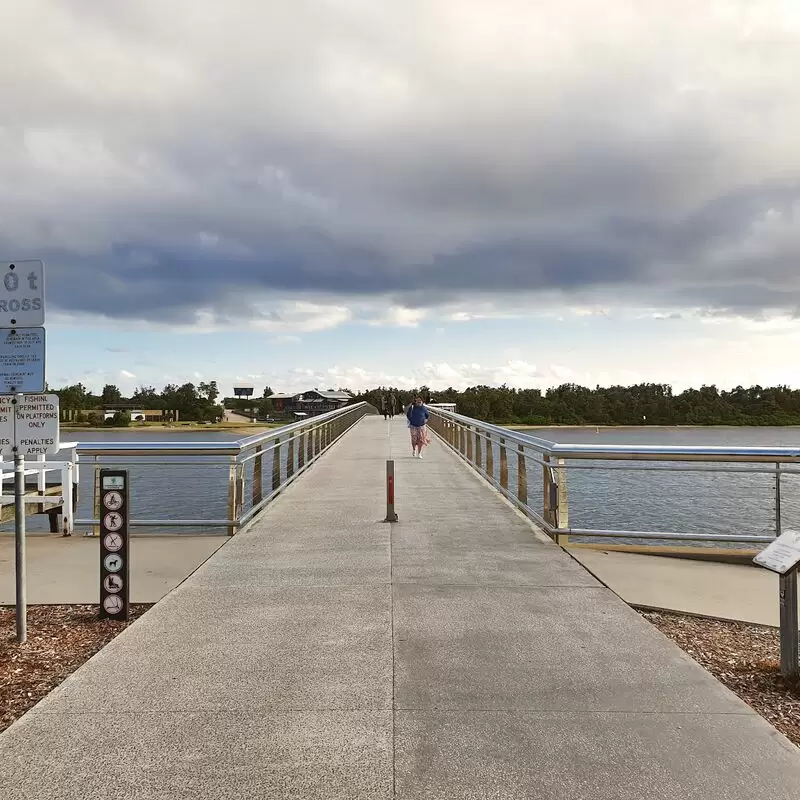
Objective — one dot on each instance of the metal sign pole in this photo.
(787, 593)
(20, 566)
(790, 636)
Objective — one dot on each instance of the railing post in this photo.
(310, 446)
(258, 476)
(469, 445)
(478, 451)
(562, 513)
(522, 476)
(301, 451)
(276, 465)
(96, 503)
(503, 464)
(235, 492)
(67, 509)
(489, 456)
(290, 456)
(462, 440)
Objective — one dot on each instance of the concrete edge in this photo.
(696, 615)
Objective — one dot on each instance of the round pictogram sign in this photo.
(112, 604)
(112, 562)
(113, 542)
(112, 501)
(113, 583)
(112, 521)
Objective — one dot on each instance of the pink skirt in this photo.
(419, 436)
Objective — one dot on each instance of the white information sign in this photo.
(22, 294)
(22, 360)
(781, 555)
(37, 426)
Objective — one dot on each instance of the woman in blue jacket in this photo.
(417, 416)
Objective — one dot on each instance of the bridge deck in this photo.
(324, 654)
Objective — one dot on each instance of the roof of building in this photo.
(326, 395)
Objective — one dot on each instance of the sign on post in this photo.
(783, 556)
(22, 353)
(22, 295)
(114, 551)
(30, 423)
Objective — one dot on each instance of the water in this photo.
(174, 488)
(642, 499)
(635, 500)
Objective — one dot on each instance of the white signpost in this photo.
(30, 424)
(28, 419)
(22, 295)
(783, 556)
(22, 360)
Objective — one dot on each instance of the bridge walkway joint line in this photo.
(454, 654)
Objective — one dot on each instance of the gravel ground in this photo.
(60, 639)
(746, 658)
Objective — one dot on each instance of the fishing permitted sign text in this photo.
(32, 424)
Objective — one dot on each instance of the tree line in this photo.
(641, 404)
(191, 402)
(568, 404)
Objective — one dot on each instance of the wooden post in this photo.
(290, 457)
(301, 451)
(489, 456)
(258, 477)
(563, 502)
(235, 491)
(503, 464)
(276, 466)
(478, 451)
(522, 476)
(469, 445)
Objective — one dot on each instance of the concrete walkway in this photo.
(324, 654)
(709, 589)
(67, 570)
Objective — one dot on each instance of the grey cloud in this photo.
(170, 159)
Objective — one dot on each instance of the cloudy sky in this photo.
(449, 192)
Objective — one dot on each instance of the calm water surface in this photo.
(679, 502)
(631, 500)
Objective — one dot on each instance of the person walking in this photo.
(417, 416)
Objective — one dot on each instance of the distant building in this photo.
(309, 403)
(139, 414)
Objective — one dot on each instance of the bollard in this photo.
(391, 516)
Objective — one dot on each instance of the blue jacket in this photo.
(417, 416)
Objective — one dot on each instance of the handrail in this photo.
(471, 438)
(212, 448)
(258, 467)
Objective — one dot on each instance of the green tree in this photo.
(111, 395)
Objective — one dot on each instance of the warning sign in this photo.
(32, 423)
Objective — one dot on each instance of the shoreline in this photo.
(192, 427)
(520, 427)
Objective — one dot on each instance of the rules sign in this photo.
(114, 550)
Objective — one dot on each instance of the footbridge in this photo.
(322, 652)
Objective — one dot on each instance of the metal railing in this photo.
(254, 470)
(496, 453)
(63, 500)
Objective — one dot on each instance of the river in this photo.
(679, 502)
(626, 500)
